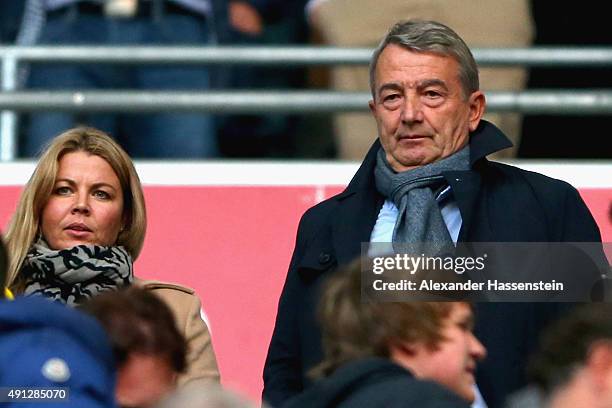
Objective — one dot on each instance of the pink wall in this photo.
(232, 244)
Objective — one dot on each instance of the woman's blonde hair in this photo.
(24, 227)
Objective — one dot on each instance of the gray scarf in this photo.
(75, 274)
(420, 228)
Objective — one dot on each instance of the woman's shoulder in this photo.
(157, 285)
(182, 300)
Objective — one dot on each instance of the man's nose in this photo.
(479, 351)
(412, 110)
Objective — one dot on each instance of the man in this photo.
(574, 368)
(426, 179)
(383, 354)
(481, 23)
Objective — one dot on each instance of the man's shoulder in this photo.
(322, 209)
(539, 183)
(386, 384)
(400, 392)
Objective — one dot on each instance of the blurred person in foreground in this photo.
(209, 396)
(79, 225)
(427, 179)
(149, 350)
(49, 345)
(574, 366)
(383, 354)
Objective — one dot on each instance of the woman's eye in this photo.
(62, 191)
(101, 194)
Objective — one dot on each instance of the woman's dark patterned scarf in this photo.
(76, 274)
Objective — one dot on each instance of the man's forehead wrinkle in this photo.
(412, 84)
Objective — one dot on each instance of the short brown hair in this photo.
(137, 321)
(354, 327)
(565, 345)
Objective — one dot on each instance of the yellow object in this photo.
(8, 294)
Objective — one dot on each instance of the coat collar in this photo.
(361, 201)
(486, 139)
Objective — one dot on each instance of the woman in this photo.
(79, 225)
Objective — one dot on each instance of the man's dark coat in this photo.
(376, 383)
(498, 203)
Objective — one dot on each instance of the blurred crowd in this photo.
(291, 22)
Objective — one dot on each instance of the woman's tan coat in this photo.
(186, 307)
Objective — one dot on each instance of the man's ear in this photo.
(477, 102)
(402, 348)
(599, 365)
(372, 106)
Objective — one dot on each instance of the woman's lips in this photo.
(78, 230)
(77, 233)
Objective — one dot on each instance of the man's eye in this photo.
(391, 97)
(466, 326)
(101, 194)
(432, 94)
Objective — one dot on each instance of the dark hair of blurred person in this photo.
(383, 353)
(149, 350)
(574, 366)
(79, 225)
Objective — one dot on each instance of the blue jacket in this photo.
(46, 344)
(498, 203)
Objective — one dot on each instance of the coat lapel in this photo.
(353, 223)
(465, 186)
(357, 210)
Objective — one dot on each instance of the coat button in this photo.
(324, 258)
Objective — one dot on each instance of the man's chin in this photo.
(413, 160)
(469, 396)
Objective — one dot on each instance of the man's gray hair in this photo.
(430, 36)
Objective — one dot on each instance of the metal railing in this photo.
(12, 100)
(536, 56)
(592, 102)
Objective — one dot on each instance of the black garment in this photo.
(375, 382)
(498, 203)
(555, 136)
